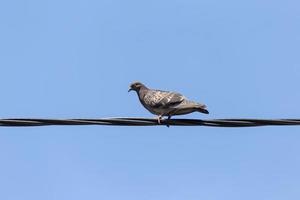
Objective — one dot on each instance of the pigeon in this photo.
(165, 103)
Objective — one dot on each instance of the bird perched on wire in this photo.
(164, 103)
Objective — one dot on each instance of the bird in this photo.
(165, 103)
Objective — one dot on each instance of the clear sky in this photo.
(76, 59)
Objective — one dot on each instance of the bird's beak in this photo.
(130, 89)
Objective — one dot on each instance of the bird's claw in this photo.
(159, 118)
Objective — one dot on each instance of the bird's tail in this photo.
(202, 108)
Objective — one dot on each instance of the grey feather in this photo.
(162, 99)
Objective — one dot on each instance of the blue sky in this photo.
(76, 59)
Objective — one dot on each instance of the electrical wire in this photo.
(127, 121)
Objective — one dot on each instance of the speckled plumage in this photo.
(164, 103)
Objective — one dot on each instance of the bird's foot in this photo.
(159, 118)
(169, 117)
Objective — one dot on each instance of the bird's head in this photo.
(136, 86)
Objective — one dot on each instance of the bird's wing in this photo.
(162, 99)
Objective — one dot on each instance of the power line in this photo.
(123, 121)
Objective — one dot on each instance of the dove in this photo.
(165, 103)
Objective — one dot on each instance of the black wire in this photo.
(150, 122)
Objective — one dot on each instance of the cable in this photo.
(123, 121)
